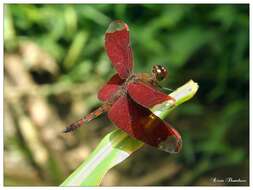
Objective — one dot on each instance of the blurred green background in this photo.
(54, 64)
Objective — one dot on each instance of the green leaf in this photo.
(75, 49)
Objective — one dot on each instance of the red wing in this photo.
(110, 88)
(143, 125)
(146, 95)
(117, 45)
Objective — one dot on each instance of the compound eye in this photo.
(160, 72)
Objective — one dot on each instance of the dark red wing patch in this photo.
(143, 125)
(110, 88)
(146, 95)
(117, 45)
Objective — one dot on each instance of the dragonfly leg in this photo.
(163, 88)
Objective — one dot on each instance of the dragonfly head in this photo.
(159, 72)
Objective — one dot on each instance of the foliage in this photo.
(207, 43)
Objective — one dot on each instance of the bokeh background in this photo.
(54, 64)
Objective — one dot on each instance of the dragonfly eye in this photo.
(159, 71)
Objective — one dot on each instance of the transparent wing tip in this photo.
(171, 144)
(117, 25)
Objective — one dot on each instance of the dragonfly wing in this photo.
(117, 45)
(110, 88)
(143, 125)
(146, 95)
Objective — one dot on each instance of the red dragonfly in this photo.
(127, 96)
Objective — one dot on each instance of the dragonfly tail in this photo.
(85, 119)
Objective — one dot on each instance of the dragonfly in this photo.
(127, 97)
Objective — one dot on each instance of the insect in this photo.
(127, 96)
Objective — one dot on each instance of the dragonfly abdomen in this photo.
(87, 118)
